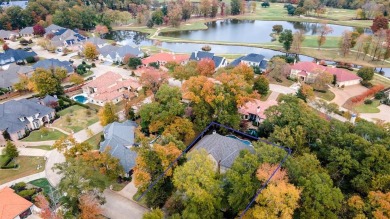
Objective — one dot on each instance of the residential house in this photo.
(52, 28)
(223, 150)
(110, 87)
(252, 59)
(163, 58)
(13, 206)
(14, 55)
(20, 116)
(53, 64)
(112, 54)
(219, 61)
(254, 110)
(66, 37)
(26, 32)
(12, 75)
(6, 34)
(119, 138)
(97, 41)
(6, 4)
(308, 71)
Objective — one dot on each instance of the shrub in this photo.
(380, 95)
(19, 186)
(154, 65)
(30, 59)
(371, 92)
(366, 84)
(368, 101)
(93, 65)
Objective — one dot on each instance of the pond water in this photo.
(133, 38)
(250, 31)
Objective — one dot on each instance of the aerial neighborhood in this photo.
(194, 109)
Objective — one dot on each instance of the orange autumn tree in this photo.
(279, 199)
(151, 162)
(216, 99)
(90, 207)
(181, 128)
(206, 67)
(47, 212)
(380, 202)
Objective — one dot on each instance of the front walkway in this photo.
(119, 207)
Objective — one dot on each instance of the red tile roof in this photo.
(341, 74)
(11, 204)
(165, 57)
(256, 107)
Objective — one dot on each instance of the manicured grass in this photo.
(39, 136)
(78, 119)
(265, 97)
(95, 140)
(3, 159)
(329, 95)
(368, 108)
(312, 41)
(27, 166)
(43, 147)
(43, 184)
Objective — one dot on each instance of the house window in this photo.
(19, 134)
(36, 124)
(21, 119)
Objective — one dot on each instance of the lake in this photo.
(134, 38)
(250, 31)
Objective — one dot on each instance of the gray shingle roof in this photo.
(108, 50)
(252, 57)
(52, 28)
(222, 148)
(117, 137)
(11, 111)
(11, 76)
(13, 55)
(53, 64)
(198, 55)
(96, 40)
(124, 50)
(27, 30)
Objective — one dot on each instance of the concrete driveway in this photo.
(342, 95)
(119, 207)
(281, 89)
(384, 114)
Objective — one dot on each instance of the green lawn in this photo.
(39, 136)
(27, 166)
(95, 140)
(329, 95)
(368, 108)
(43, 184)
(3, 158)
(43, 147)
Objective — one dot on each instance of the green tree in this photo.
(156, 213)
(366, 73)
(241, 184)
(45, 83)
(261, 84)
(157, 17)
(107, 114)
(10, 150)
(235, 7)
(200, 187)
(134, 62)
(286, 38)
(90, 51)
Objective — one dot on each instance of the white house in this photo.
(111, 53)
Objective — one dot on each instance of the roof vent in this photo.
(214, 132)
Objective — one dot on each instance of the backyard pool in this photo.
(80, 98)
(242, 140)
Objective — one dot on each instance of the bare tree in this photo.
(345, 43)
(298, 38)
(324, 30)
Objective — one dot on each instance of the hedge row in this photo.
(372, 91)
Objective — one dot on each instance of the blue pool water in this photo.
(242, 140)
(80, 98)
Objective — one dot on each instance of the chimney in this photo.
(258, 110)
(318, 62)
(353, 118)
(295, 61)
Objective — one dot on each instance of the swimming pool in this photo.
(80, 98)
(242, 140)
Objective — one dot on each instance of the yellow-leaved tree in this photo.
(90, 51)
